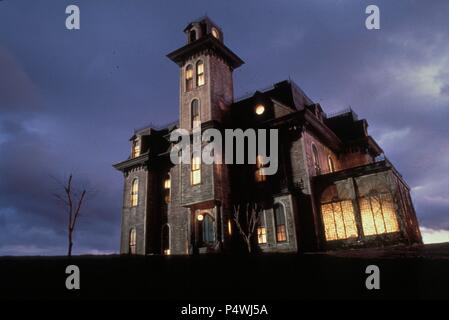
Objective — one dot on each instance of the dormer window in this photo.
(136, 148)
(215, 33)
(200, 80)
(189, 77)
(192, 35)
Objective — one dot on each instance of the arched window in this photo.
(378, 213)
(208, 229)
(134, 192)
(338, 216)
(261, 229)
(279, 219)
(132, 241)
(167, 188)
(200, 80)
(166, 239)
(189, 77)
(330, 163)
(316, 159)
(195, 109)
(195, 174)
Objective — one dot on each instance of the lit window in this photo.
(339, 220)
(189, 77)
(261, 230)
(134, 193)
(195, 176)
(259, 174)
(200, 80)
(136, 148)
(279, 217)
(132, 241)
(330, 163)
(196, 120)
(229, 227)
(316, 160)
(215, 33)
(167, 187)
(378, 214)
(260, 109)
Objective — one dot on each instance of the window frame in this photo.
(189, 85)
(316, 159)
(195, 118)
(195, 170)
(132, 241)
(276, 225)
(134, 200)
(262, 226)
(200, 76)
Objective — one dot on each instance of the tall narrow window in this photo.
(316, 160)
(330, 163)
(200, 80)
(261, 229)
(167, 188)
(166, 239)
(279, 218)
(132, 241)
(196, 120)
(378, 214)
(339, 220)
(259, 173)
(208, 229)
(134, 193)
(136, 148)
(195, 174)
(189, 77)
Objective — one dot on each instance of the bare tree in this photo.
(73, 202)
(248, 226)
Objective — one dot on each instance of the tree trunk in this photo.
(69, 253)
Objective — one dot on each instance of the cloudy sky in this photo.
(69, 100)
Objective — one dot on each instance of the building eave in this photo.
(132, 162)
(180, 55)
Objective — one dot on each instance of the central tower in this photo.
(206, 93)
(206, 66)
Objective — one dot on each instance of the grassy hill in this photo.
(405, 272)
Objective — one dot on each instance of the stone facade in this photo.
(321, 198)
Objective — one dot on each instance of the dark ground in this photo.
(406, 273)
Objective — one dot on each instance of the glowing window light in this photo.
(378, 214)
(261, 235)
(135, 193)
(260, 109)
(339, 220)
(229, 227)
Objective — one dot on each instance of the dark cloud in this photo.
(69, 100)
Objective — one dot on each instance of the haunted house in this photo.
(334, 187)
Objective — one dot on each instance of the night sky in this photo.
(70, 100)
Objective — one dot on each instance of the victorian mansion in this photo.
(333, 189)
